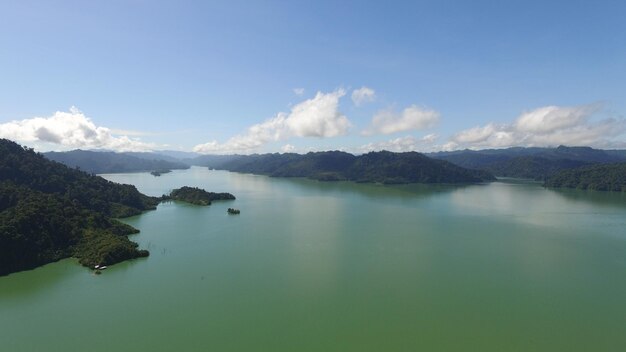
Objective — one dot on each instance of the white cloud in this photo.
(70, 129)
(315, 117)
(496, 135)
(318, 117)
(402, 144)
(298, 91)
(288, 148)
(544, 127)
(411, 118)
(430, 138)
(363, 95)
(548, 119)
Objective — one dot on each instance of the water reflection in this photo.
(22, 284)
(530, 203)
(368, 190)
(598, 198)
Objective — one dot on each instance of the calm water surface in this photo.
(311, 266)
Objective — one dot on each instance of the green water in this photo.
(312, 266)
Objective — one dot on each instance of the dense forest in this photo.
(602, 177)
(49, 211)
(197, 196)
(110, 162)
(531, 167)
(533, 163)
(381, 167)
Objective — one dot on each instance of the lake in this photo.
(314, 266)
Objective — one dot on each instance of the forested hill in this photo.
(535, 163)
(110, 162)
(603, 177)
(381, 167)
(49, 211)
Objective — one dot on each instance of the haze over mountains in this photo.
(96, 162)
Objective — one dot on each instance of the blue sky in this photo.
(138, 75)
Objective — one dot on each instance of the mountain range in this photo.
(385, 167)
(532, 163)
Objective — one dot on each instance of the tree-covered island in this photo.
(160, 172)
(197, 196)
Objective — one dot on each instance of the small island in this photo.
(233, 211)
(197, 196)
(160, 172)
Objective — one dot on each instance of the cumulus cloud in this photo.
(70, 129)
(363, 95)
(298, 91)
(318, 117)
(288, 148)
(548, 119)
(402, 144)
(315, 117)
(412, 118)
(544, 127)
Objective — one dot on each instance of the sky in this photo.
(223, 77)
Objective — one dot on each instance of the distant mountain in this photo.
(585, 154)
(534, 163)
(477, 159)
(531, 167)
(152, 156)
(110, 162)
(210, 161)
(177, 154)
(600, 177)
(49, 211)
(382, 167)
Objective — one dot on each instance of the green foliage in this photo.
(606, 177)
(391, 168)
(532, 167)
(534, 163)
(99, 247)
(382, 167)
(49, 212)
(198, 196)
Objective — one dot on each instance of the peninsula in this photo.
(49, 211)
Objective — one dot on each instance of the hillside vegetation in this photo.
(607, 177)
(381, 167)
(198, 196)
(533, 163)
(49, 211)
